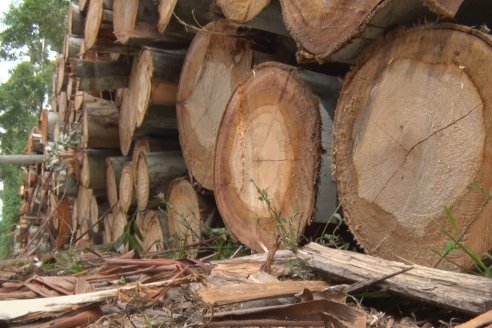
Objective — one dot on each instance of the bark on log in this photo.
(155, 172)
(412, 132)
(187, 212)
(74, 47)
(98, 23)
(71, 46)
(149, 224)
(446, 8)
(101, 75)
(135, 22)
(114, 166)
(242, 11)
(126, 194)
(100, 125)
(224, 60)
(75, 20)
(262, 143)
(457, 291)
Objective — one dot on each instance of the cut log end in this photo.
(149, 224)
(93, 22)
(261, 145)
(411, 136)
(126, 187)
(203, 93)
(143, 184)
(242, 11)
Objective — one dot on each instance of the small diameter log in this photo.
(98, 23)
(182, 18)
(149, 224)
(126, 195)
(75, 20)
(271, 139)
(81, 212)
(62, 105)
(114, 166)
(224, 60)
(412, 132)
(100, 125)
(187, 212)
(101, 75)
(120, 220)
(155, 171)
(135, 22)
(92, 174)
(61, 75)
(242, 11)
(108, 223)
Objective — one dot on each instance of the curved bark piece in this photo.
(114, 166)
(242, 11)
(155, 172)
(187, 212)
(446, 8)
(270, 139)
(98, 22)
(100, 125)
(412, 132)
(215, 63)
(149, 224)
(126, 195)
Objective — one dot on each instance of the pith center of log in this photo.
(414, 158)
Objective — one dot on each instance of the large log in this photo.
(412, 132)
(187, 213)
(98, 23)
(457, 291)
(114, 166)
(100, 125)
(271, 139)
(242, 11)
(135, 22)
(223, 61)
(101, 75)
(155, 171)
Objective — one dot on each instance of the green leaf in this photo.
(451, 218)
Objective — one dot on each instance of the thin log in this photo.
(397, 170)
(100, 125)
(101, 75)
(241, 11)
(46, 125)
(61, 75)
(75, 20)
(114, 166)
(155, 172)
(149, 224)
(457, 291)
(120, 220)
(108, 222)
(98, 22)
(71, 46)
(81, 212)
(260, 154)
(135, 22)
(92, 174)
(182, 18)
(203, 93)
(126, 195)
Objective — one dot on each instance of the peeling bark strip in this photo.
(224, 60)
(412, 131)
(270, 137)
(457, 291)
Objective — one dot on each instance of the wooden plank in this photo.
(237, 293)
(457, 291)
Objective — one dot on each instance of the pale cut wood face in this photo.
(418, 141)
(242, 10)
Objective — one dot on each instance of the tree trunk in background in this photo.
(224, 60)
(412, 132)
(271, 138)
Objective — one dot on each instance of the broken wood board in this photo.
(457, 291)
(237, 293)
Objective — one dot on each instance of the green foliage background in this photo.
(33, 31)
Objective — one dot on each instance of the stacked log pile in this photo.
(231, 105)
